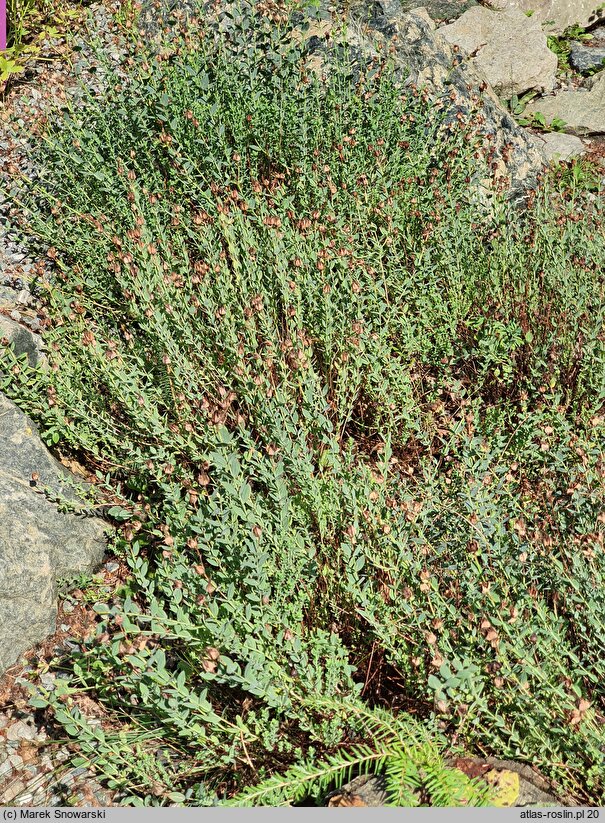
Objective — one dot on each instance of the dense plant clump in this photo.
(352, 422)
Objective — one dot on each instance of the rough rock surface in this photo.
(585, 58)
(36, 772)
(556, 15)
(364, 790)
(455, 85)
(533, 789)
(38, 543)
(582, 111)
(507, 47)
(441, 10)
(22, 340)
(588, 55)
(558, 146)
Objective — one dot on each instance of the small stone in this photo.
(68, 607)
(112, 566)
(20, 731)
(33, 323)
(12, 791)
(584, 58)
(5, 768)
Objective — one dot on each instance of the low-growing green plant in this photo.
(29, 24)
(560, 45)
(126, 17)
(354, 419)
(415, 771)
(517, 107)
(92, 588)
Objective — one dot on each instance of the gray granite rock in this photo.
(8, 298)
(590, 81)
(507, 47)
(456, 86)
(585, 58)
(22, 340)
(559, 146)
(556, 15)
(582, 111)
(589, 55)
(38, 543)
(439, 10)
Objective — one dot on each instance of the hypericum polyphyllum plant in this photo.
(353, 419)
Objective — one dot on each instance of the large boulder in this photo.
(457, 88)
(439, 10)
(507, 47)
(556, 15)
(38, 542)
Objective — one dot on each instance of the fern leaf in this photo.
(302, 780)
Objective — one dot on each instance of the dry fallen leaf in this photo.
(346, 799)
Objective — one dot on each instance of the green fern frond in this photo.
(380, 725)
(451, 787)
(403, 781)
(397, 746)
(302, 780)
